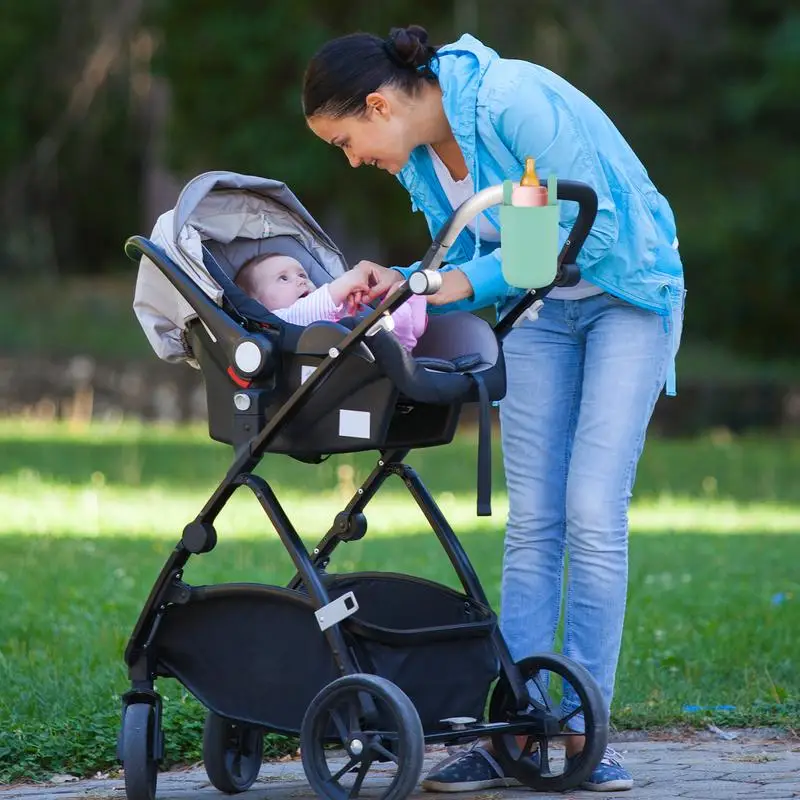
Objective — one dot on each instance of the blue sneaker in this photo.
(467, 771)
(609, 775)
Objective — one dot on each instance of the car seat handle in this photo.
(249, 354)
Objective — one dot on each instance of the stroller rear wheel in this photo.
(232, 753)
(560, 690)
(138, 751)
(376, 723)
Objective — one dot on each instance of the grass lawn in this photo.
(88, 518)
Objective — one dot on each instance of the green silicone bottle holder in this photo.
(529, 238)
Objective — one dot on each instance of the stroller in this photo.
(365, 667)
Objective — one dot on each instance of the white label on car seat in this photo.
(354, 424)
(305, 372)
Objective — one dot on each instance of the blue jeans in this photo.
(583, 380)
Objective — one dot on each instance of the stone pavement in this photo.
(758, 765)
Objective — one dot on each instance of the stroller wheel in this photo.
(232, 753)
(138, 761)
(376, 724)
(538, 757)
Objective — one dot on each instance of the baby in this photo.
(281, 285)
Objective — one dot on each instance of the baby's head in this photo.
(275, 281)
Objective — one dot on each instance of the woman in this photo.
(584, 377)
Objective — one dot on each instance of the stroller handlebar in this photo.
(567, 272)
(458, 220)
(574, 191)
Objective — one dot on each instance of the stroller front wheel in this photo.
(374, 721)
(138, 752)
(232, 753)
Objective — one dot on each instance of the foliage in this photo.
(258, 128)
(721, 149)
(70, 171)
(703, 89)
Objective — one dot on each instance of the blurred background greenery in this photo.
(107, 108)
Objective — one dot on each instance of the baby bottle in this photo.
(530, 192)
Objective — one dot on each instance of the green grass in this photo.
(90, 516)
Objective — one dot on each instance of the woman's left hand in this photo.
(455, 286)
(380, 279)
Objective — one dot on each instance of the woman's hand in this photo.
(380, 279)
(455, 286)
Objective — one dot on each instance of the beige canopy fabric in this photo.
(223, 207)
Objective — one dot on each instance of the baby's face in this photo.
(279, 281)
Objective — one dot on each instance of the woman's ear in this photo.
(378, 104)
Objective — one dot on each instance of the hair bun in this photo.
(411, 45)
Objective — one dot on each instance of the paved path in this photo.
(698, 766)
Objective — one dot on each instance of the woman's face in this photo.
(381, 137)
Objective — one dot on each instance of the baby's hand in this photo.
(352, 282)
(353, 302)
(356, 298)
(356, 288)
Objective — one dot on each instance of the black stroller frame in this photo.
(379, 722)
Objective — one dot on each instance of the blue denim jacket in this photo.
(502, 110)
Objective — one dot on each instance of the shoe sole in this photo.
(609, 786)
(466, 786)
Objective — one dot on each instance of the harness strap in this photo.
(484, 489)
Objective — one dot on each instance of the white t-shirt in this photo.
(459, 191)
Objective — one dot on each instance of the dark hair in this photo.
(345, 70)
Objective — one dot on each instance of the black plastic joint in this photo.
(568, 275)
(199, 537)
(350, 527)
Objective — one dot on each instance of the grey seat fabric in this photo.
(231, 256)
(456, 334)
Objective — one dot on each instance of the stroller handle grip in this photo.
(567, 272)
(586, 198)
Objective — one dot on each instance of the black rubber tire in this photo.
(401, 739)
(502, 709)
(232, 753)
(138, 736)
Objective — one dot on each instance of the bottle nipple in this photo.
(530, 178)
(530, 191)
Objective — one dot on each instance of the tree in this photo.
(67, 101)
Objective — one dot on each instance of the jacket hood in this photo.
(460, 68)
